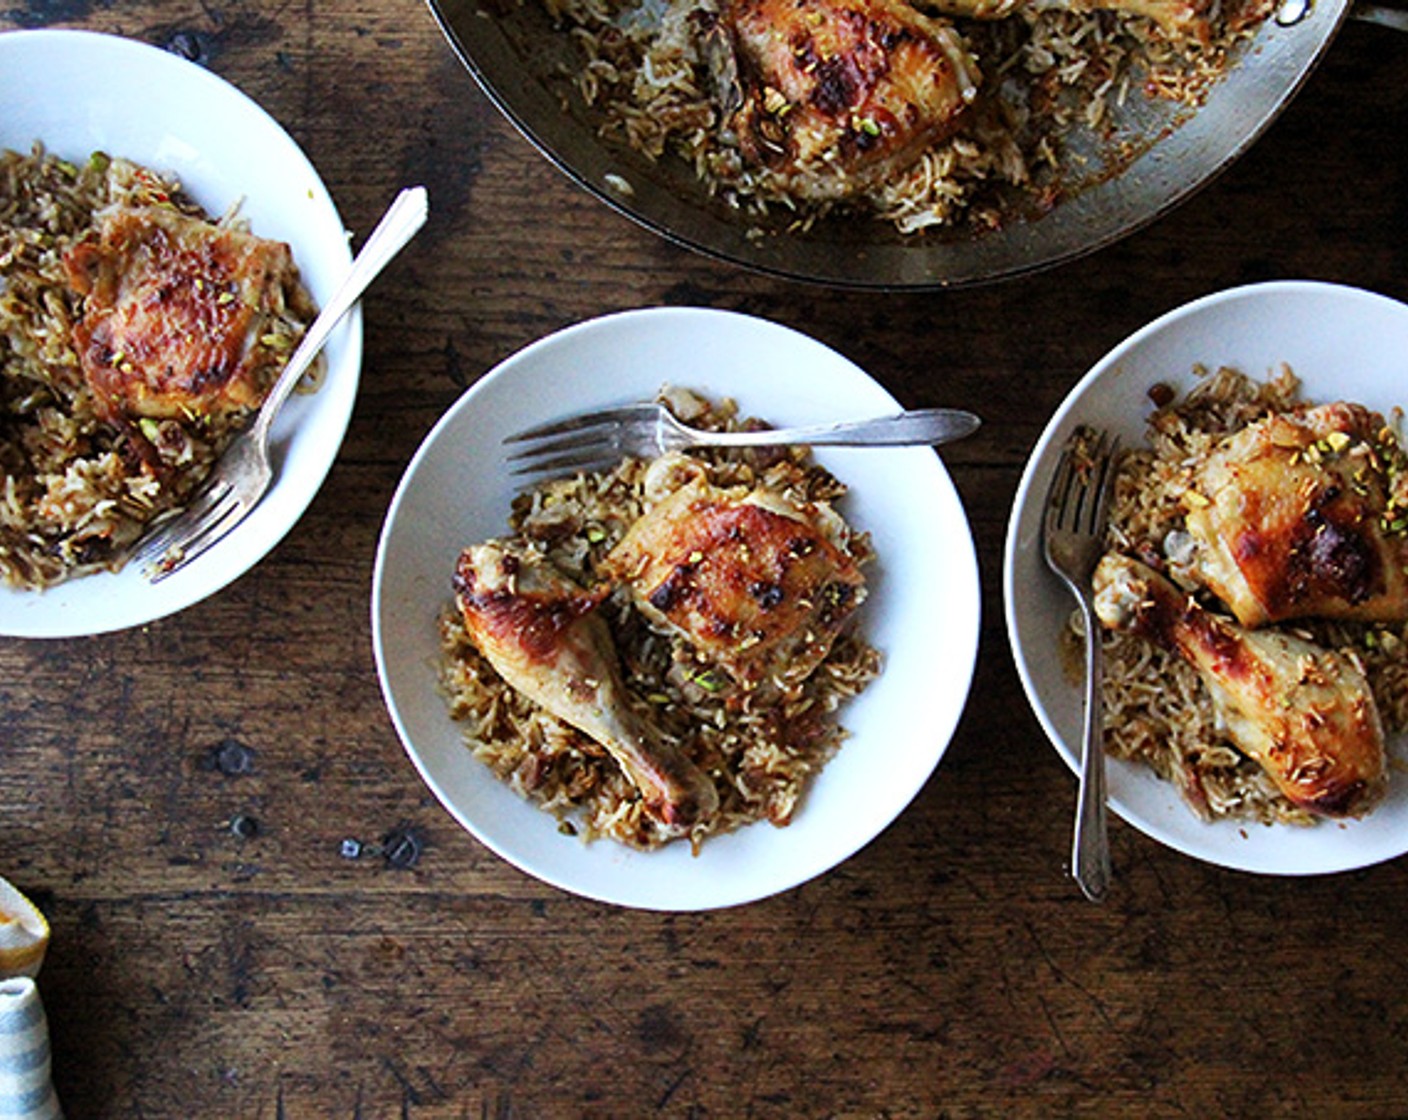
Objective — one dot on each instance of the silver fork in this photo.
(595, 440)
(1077, 510)
(243, 473)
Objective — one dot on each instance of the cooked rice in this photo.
(1046, 75)
(73, 495)
(1157, 710)
(761, 752)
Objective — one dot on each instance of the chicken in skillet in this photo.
(542, 634)
(1303, 515)
(832, 96)
(1303, 713)
(755, 582)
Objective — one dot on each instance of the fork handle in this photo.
(925, 426)
(1090, 848)
(397, 226)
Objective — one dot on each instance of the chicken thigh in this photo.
(1303, 713)
(1303, 516)
(754, 583)
(541, 633)
(832, 96)
(182, 317)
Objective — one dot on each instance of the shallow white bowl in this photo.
(1344, 344)
(922, 612)
(80, 92)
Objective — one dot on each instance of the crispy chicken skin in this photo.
(541, 633)
(176, 313)
(1304, 713)
(754, 582)
(832, 96)
(1294, 517)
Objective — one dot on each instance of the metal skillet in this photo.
(522, 63)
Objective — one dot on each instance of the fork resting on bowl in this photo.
(600, 439)
(1073, 540)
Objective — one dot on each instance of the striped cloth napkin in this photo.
(26, 1092)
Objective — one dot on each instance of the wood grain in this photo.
(950, 969)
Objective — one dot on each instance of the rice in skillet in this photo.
(760, 752)
(1158, 711)
(93, 446)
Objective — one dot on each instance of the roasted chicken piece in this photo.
(1178, 19)
(755, 583)
(832, 96)
(1303, 516)
(541, 633)
(182, 317)
(1303, 713)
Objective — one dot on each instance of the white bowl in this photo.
(80, 92)
(1344, 344)
(922, 612)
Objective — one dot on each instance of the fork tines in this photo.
(578, 422)
(194, 530)
(550, 446)
(584, 442)
(1081, 482)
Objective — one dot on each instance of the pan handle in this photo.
(1382, 14)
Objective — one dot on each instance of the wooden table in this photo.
(950, 969)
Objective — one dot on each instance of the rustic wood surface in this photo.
(950, 969)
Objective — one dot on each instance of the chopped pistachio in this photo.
(708, 680)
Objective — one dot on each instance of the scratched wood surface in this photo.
(177, 797)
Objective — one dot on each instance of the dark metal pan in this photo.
(521, 62)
